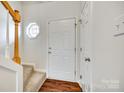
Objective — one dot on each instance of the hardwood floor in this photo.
(51, 85)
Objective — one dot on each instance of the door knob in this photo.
(87, 59)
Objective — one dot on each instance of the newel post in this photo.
(16, 57)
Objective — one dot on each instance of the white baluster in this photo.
(7, 52)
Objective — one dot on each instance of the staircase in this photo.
(26, 79)
(32, 79)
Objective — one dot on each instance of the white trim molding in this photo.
(18, 69)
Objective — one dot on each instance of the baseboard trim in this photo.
(41, 84)
(82, 86)
(39, 70)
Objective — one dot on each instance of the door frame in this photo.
(90, 5)
(76, 62)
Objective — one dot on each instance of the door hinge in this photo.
(80, 21)
(80, 49)
(80, 76)
(75, 73)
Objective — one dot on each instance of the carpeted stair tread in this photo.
(35, 81)
(27, 71)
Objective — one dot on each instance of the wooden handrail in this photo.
(16, 18)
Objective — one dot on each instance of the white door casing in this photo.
(86, 47)
(61, 49)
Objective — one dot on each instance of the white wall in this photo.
(108, 63)
(7, 80)
(35, 50)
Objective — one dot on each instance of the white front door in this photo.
(61, 49)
